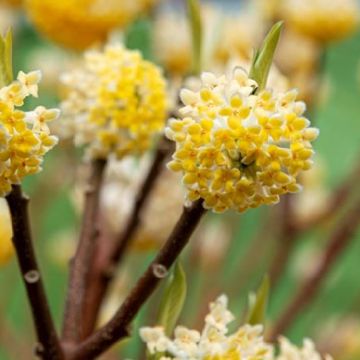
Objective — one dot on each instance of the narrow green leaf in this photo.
(6, 73)
(253, 61)
(194, 15)
(258, 303)
(263, 58)
(173, 299)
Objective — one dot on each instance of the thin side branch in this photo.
(48, 347)
(81, 264)
(339, 240)
(339, 198)
(117, 328)
(101, 276)
(291, 230)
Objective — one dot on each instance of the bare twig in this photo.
(48, 347)
(81, 264)
(291, 230)
(339, 240)
(117, 328)
(339, 198)
(104, 264)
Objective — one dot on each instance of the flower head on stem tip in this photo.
(214, 342)
(24, 136)
(236, 149)
(116, 102)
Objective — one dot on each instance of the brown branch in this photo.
(81, 264)
(337, 243)
(339, 198)
(48, 347)
(117, 328)
(291, 230)
(111, 256)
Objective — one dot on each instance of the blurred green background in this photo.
(339, 145)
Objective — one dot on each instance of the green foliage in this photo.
(173, 299)
(258, 303)
(196, 32)
(6, 73)
(263, 57)
(138, 37)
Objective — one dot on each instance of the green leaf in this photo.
(173, 299)
(263, 57)
(6, 72)
(138, 37)
(194, 15)
(258, 303)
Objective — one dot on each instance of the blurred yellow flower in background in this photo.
(6, 247)
(303, 69)
(225, 36)
(314, 199)
(79, 24)
(172, 42)
(51, 61)
(238, 34)
(236, 149)
(322, 20)
(123, 181)
(8, 18)
(12, 3)
(115, 103)
(268, 9)
(341, 336)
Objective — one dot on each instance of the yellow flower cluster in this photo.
(24, 136)
(322, 20)
(116, 102)
(237, 149)
(6, 247)
(79, 24)
(215, 342)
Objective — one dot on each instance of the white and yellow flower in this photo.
(237, 149)
(214, 343)
(24, 136)
(116, 102)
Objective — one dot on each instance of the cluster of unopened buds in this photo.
(214, 342)
(239, 149)
(24, 136)
(116, 102)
